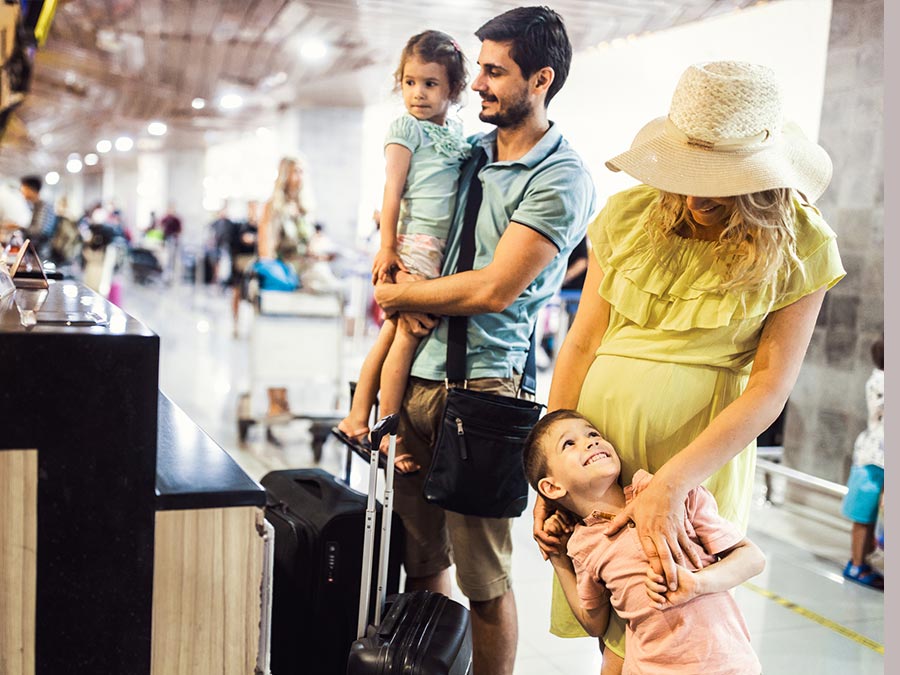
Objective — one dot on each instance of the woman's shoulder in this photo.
(811, 229)
(619, 219)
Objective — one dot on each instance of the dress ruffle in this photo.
(447, 139)
(680, 294)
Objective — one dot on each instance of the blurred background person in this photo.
(284, 233)
(40, 229)
(242, 241)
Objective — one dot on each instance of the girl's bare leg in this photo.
(862, 541)
(394, 376)
(356, 424)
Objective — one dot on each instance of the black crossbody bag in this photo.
(476, 468)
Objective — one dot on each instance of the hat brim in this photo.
(662, 161)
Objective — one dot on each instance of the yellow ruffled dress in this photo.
(677, 352)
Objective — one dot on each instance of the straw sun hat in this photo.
(724, 136)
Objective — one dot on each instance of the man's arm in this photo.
(594, 621)
(522, 253)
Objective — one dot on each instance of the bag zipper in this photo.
(461, 440)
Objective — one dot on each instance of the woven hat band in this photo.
(723, 145)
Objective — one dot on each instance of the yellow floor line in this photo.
(818, 618)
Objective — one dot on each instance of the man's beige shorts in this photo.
(435, 538)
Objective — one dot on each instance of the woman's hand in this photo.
(658, 514)
(386, 262)
(551, 529)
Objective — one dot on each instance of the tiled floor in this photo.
(204, 368)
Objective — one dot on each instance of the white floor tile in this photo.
(204, 369)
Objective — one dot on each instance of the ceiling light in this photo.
(312, 50)
(198, 103)
(231, 102)
(46, 139)
(263, 132)
(124, 143)
(157, 129)
(73, 165)
(274, 80)
(104, 146)
(91, 159)
(52, 178)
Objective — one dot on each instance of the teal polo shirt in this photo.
(549, 190)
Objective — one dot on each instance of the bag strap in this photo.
(458, 326)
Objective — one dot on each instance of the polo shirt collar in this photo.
(544, 147)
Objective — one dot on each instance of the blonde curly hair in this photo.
(757, 247)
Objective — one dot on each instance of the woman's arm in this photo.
(736, 565)
(264, 246)
(397, 158)
(658, 511)
(575, 357)
(594, 621)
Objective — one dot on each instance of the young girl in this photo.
(423, 152)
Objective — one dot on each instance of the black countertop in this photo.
(192, 471)
(70, 300)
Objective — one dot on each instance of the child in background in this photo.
(697, 628)
(866, 482)
(424, 152)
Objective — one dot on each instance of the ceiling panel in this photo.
(112, 65)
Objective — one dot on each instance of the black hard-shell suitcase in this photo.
(421, 633)
(319, 523)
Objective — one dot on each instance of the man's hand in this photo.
(417, 323)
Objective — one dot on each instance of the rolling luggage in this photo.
(419, 633)
(319, 523)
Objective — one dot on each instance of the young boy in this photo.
(697, 628)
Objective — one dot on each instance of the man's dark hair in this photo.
(33, 182)
(539, 39)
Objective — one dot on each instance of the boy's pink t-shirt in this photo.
(706, 635)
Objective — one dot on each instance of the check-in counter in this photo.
(209, 556)
(129, 541)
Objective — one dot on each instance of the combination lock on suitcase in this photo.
(419, 633)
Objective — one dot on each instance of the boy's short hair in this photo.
(539, 39)
(534, 455)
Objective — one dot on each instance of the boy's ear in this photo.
(550, 489)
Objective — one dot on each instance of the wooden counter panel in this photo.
(18, 560)
(208, 567)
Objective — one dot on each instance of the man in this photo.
(537, 200)
(43, 218)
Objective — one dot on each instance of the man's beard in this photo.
(515, 113)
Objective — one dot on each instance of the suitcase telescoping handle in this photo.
(386, 426)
